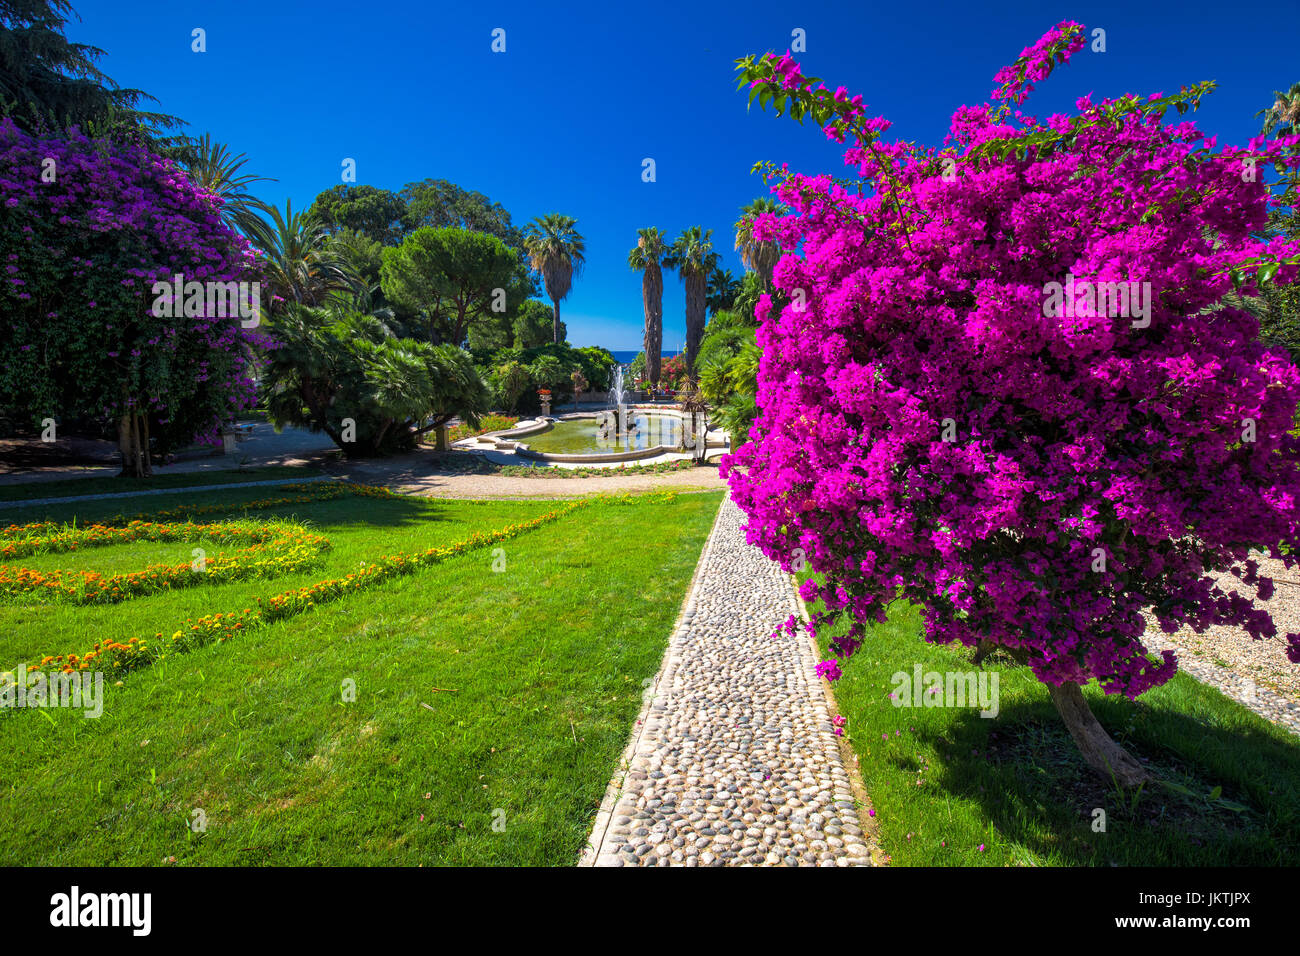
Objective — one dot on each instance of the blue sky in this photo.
(562, 120)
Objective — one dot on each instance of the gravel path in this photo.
(408, 478)
(734, 761)
(1257, 674)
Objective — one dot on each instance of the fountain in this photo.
(619, 432)
(618, 396)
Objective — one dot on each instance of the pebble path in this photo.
(734, 760)
(1264, 701)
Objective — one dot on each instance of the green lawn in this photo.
(481, 697)
(944, 781)
(69, 487)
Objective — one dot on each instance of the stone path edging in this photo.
(604, 816)
(1261, 700)
(734, 760)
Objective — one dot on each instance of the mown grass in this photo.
(945, 782)
(482, 697)
(70, 487)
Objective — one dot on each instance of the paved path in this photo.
(146, 492)
(734, 760)
(75, 457)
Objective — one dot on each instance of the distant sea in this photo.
(626, 358)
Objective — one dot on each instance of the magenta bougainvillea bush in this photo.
(1003, 388)
(87, 227)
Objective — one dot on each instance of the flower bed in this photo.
(532, 471)
(272, 549)
(116, 657)
(489, 423)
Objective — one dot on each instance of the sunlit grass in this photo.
(481, 696)
(952, 788)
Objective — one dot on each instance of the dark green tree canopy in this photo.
(340, 373)
(48, 83)
(455, 278)
(440, 203)
(378, 214)
(532, 325)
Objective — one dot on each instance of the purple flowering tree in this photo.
(87, 228)
(999, 390)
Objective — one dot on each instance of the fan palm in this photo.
(303, 369)
(557, 251)
(693, 257)
(647, 257)
(758, 256)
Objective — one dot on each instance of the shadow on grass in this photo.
(349, 510)
(1225, 794)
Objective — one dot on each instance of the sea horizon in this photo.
(627, 356)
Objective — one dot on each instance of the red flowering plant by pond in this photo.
(1004, 388)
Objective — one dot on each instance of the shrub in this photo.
(941, 421)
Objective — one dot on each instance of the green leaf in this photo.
(1177, 788)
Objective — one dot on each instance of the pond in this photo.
(600, 435)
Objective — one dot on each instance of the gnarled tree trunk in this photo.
(1099, 750)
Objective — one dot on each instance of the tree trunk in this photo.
(695, 316)
(441, 439)
(1099, 750)
(133, 442)
(555, 321)
(652, 296)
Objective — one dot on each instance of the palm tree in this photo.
(300, 264)
(647, 256)
(1284, 114)
(556, 250)
(213, 168)
(759, 256)
(360, 258)
(1283, 119)
(693, 257)
(721, 291)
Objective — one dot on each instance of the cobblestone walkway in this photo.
(734, 760)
